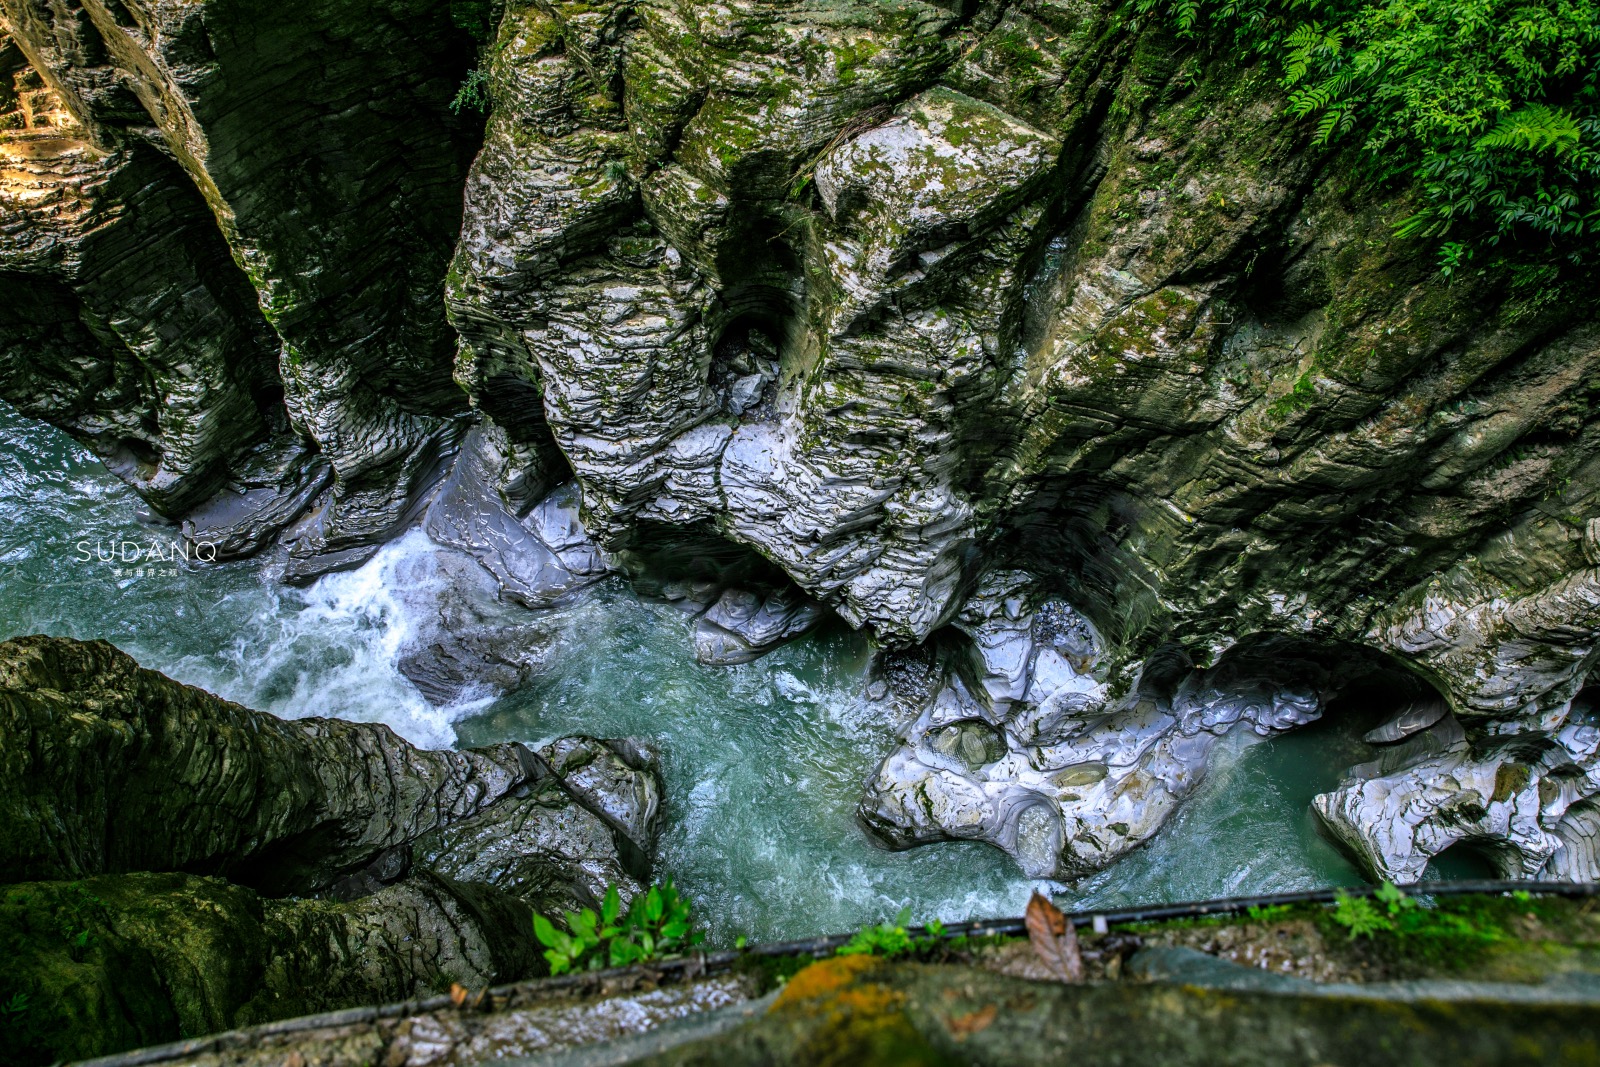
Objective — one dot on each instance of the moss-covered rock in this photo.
(426, 867)
(109, 767)
(118, 961)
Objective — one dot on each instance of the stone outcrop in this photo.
(1014, 742)
(123, 318)
(1527, 803)
(125, 960)
(165, 826)
(901, 298)
(314, 147)
(109, 767)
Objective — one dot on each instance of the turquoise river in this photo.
(764, 762)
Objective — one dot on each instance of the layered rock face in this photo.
(314, 147)
(298, 865)
(932, 309)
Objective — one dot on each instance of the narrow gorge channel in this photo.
(764, 762)
(496, 488)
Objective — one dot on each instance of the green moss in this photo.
(1299, 398)
(849, 56)
(1016, 50)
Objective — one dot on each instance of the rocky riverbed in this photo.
(841, 310)
(1024, 339)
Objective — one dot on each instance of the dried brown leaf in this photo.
(1054, 939)
(458, 994)
(973, 1022)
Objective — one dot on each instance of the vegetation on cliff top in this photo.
(1490, 107)
(658, 924)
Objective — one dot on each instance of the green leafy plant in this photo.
(474, 92)
(657, 924)
(1490, 109)
(893, 939)
(1359, 915)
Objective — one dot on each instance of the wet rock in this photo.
(539, 557)
(1408, 720)
(271, 491)
(319, 155)
(1038, 760)
(1526, 803)
(588, 823)
(467, 644)
(742, 625)
(92, 743)
(122, 318)
(119, 961)
(619, 780)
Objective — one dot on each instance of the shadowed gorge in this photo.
(1028, 429)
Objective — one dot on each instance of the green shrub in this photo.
(474, 92)
(892, 939)
(1490, 108)
(658, 924)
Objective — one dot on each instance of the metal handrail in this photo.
(705, 963)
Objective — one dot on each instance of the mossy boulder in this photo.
(120, 961)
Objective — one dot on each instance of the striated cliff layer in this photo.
(173, 864)
(1039, 343)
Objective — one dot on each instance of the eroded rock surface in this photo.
(898, 297)
(1014, 741)
(108, 767)
(312, 151)
(426, 866)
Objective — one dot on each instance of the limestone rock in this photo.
(122, 318)
(743, 625)
(1408, 720)
(538, 557)
(590, 823)
(1037, 759)
(120, 961)
(318, 145)
(92, 745)
(1525, 803)
(467, 644)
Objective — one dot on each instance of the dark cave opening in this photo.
(1464, 860)
(670, 562)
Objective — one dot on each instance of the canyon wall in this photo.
(173, 864)
(1038, 342)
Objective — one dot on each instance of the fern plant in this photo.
(1359, 915)
(1490, 109)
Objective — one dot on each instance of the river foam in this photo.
(764, 762)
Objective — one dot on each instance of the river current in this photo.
(764, 762)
